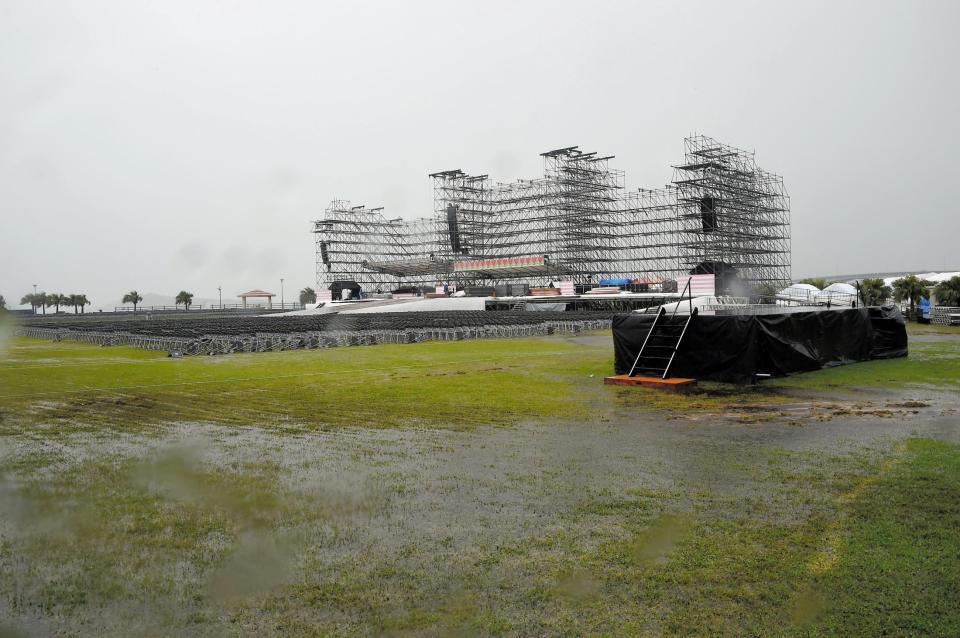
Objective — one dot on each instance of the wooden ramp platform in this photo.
(670, 385)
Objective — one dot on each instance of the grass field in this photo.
(473, 488)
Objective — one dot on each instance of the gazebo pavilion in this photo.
(257, 294)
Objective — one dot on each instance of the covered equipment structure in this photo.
(738, 347)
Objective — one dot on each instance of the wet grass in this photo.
(932, 328)
(856, 545)
(456, 384)
(929, 363)
(70, 386)
(167, 537)
(896, 568)
(420, 522)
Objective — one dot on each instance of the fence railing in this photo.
(812, 298)
(289, 305)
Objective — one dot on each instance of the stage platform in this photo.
(671, 385)
(741, 348)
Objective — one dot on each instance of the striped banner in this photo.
(700, 285)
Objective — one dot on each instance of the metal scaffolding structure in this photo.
(734, 217)
(721, 214)
(355, 243)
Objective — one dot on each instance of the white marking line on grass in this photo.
(283, 376)
(14, 365)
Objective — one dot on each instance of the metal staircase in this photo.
(660, 346)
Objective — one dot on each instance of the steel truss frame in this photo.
(732, 212)
(720, 211)
(349, 238)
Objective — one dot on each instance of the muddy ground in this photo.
(431, 497)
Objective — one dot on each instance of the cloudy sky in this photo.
(162, 146)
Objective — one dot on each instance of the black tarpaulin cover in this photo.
(736, 347)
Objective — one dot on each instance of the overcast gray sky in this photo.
(162, 146)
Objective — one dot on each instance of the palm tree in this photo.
(910, 288)
(819, 282)
(948, 292)
(185, 298)
(3, 303)
(874, 292)
(132, 297)
(77, 301)
(40, 298)
(52, 299)
(30, 298)
(307, 295)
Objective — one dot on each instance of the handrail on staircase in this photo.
(686, 288)
(666, 371)
(660, 314)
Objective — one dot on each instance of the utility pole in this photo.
(220, 291)
(281, 292)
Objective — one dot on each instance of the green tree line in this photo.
(44, 300)
(910, 289)
(948, 292)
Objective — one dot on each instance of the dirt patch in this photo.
(98, 405)
(590, 339)
(910, 403)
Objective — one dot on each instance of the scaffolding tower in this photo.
(721, 214)
(734, 218)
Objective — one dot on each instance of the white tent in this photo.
(838, 294)
(840, 288)
(798, 292)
